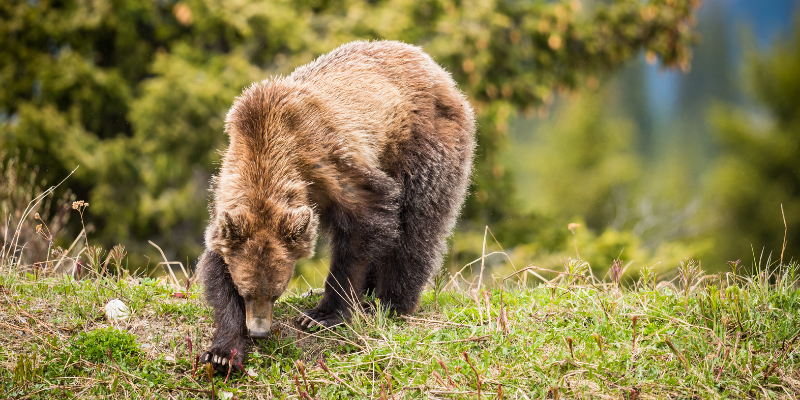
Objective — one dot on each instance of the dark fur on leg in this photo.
(229, 316)
(359, 235)
(370, 280)
(434, 170)
(342, 287)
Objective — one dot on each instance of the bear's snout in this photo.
(259, 318)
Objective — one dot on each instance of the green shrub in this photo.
(94, 345)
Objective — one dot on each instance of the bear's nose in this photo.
(258, 317)
(259, 328)
(259, 334)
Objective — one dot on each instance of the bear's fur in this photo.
(373, 144)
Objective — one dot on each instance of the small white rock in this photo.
(224, 395)
(116, 309)
(169, 358)
(251, 372)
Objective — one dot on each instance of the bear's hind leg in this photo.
(435, 175)
(370, 280)
(369, 288)
(405, 271)
(229, 314)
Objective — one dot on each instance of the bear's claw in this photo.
(311, 318)
(369, 307)
(220, 363)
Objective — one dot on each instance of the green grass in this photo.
(574, 337)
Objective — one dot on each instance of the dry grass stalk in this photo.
(477, 375)
(785, 231)
(678, 354)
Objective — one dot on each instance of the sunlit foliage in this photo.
(135, 92)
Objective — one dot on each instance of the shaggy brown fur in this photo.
(371, 142)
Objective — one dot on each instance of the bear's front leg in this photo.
(229, 314)
(361, 231)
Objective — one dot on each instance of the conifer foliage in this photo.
(135, 91)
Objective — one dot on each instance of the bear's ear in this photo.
(231, 229)
(299, 222)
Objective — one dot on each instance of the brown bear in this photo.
(373, 144)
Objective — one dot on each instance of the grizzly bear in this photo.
(371, 144)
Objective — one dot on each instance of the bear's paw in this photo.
(222, 360)
(320, 318)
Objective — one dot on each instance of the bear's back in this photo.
(374, 90)
(362, 107)
(356, 63)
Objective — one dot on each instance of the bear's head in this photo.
(260, 254)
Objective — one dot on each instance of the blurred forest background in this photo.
(668, 129)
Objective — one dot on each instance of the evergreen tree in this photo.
(759, 166)
(135, 91)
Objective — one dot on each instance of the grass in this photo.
(567, 335)
(725, 335)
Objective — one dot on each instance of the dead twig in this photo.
(230, 364)
(206, 391)
(210, 373)
(722, 366)
(412, 319)
(113, 361)
(477, 375)
(785, 231)
(774, 365)
(446, 372)
(439, 379)
(678, 354)
(389, 380)
(336, 378)
(472, 339)
(31, 332)
(300, 392)
(168, 266)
